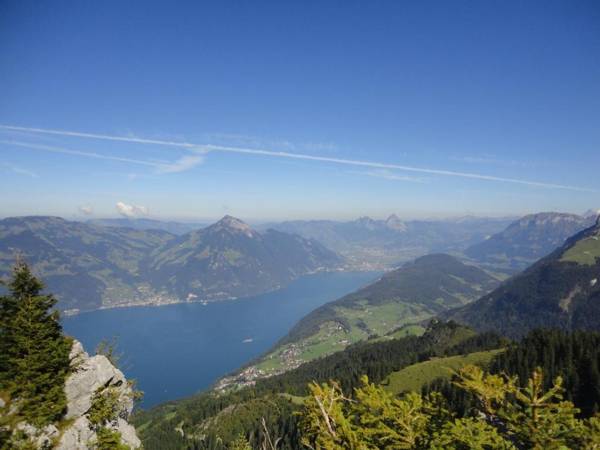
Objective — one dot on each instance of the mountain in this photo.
(392, 306)
(177, 228)
(592, 213)
(91, 267)
(380, 244)
(230, 259)
(528, 239)
(561, 290)
(86, 266)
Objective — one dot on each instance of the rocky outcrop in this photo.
(89, 375)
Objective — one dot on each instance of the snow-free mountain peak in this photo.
(393, 222)
(592, 213)
(233, 224)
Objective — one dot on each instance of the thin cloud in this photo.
(491, 160)
(86, 210)
(389, 175)
(289, 155)
(182, 164)
(19, 170)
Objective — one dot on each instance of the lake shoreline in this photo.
(186, 347)
(75, 311)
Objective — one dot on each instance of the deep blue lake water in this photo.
(177, 350)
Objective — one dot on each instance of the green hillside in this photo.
(399, 300)
(414, 377)
(584, 252)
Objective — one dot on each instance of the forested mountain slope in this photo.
(561, 290)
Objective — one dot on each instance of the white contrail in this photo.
(251, 151)
(182, 164)
(48, 148)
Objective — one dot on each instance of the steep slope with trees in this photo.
(561, 290)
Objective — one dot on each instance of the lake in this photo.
(177, 350)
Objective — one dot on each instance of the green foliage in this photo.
(241, 443)
(17, 440)
(108, 348)
(107, 439)
(508, 417)
(106, 404)
(35, 360)
(469, 434)
(575, 357)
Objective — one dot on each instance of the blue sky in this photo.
(423, 109)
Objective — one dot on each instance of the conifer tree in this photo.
(36, 358)
(7, 312)
(508, 417)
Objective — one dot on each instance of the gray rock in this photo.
(128, 434)
(78, 436)
(89, 375)
(77, 354)
(2, 403)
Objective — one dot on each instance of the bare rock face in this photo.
(80, 435)
(90, 374)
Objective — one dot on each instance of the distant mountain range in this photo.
(90, 267)
(562, 290)
(379, 244)
(177, 228)
(528, 239)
